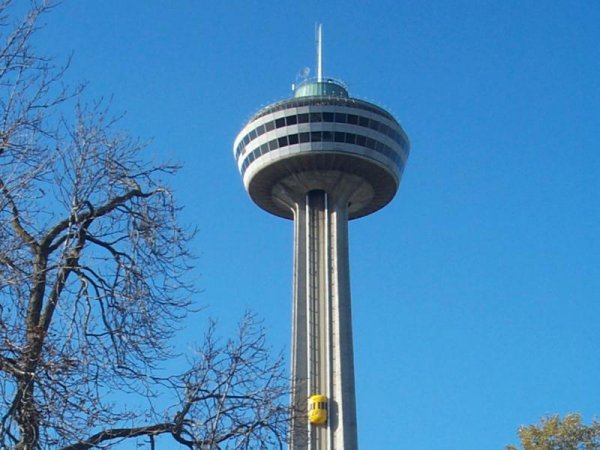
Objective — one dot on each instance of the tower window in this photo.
(340, 117)
(327, 117)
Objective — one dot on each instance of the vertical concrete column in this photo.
(343, 407)
(300, 392)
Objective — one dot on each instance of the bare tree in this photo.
(92, 283)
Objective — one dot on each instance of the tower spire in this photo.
(319, 38)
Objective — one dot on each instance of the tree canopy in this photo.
(554, 433)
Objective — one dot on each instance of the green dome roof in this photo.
(325, 88)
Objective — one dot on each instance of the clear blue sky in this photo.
(476, 292)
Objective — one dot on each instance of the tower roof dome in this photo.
(326, 87)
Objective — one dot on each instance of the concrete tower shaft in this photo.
(322, 158)
(322, 349)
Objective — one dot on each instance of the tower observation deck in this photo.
(321, 158)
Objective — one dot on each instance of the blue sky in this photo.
(476, 291)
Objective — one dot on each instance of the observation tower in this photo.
(320, 159)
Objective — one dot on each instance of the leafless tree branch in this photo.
(93, 283)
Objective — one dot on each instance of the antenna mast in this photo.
(319, 52)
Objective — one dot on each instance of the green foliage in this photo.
(552, 433)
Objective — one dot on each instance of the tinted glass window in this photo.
(304, 137)
(260, 130)
(303, 118)
(352, 119)
(327, 136)
(370, 143)
(327, 117)
(339, 137)
(315, 117)
(315, 136)
(273, 145)
(283, 141)
(291, 120)
(293, 138)
(270, 126)
(280, 122)
(340, 117)
(363, 121)
(246, 140)
(360, 140)
(264, 148)
(252, 134)
(350, 138)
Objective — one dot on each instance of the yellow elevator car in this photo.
(317, 409)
